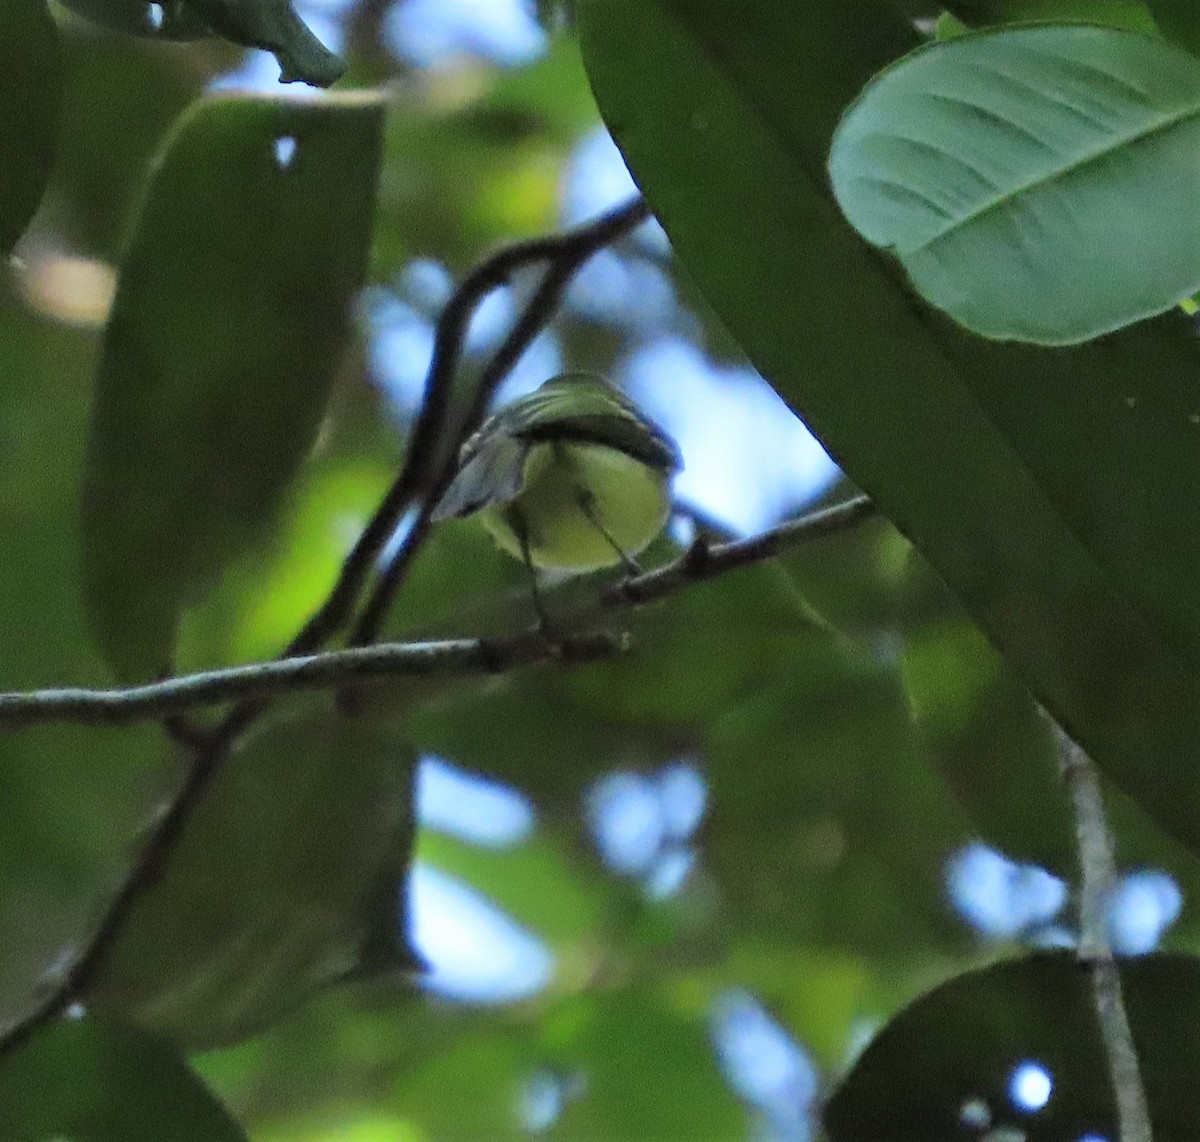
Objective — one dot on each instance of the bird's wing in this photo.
(635, 437)
(493, 473)
(581, 407)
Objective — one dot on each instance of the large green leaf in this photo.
(1055, 492)
(1036, 183)
(947, 1061)
(289, 864)
(227, 329)
(31, 64)
(87, 1079)
(170, 20)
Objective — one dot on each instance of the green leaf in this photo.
(1113, 13)
(31, 63)
(1034, 182)
(984, 454)
(286, 868)
(649, 1071)
(1179, 20)
(86, 1079)
(268, 24)
(168, 20)
(954, 1051)
(228, 326)
(273, 26)
(986, 739)
(816, 778)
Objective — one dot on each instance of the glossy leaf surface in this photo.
(948, 1061)
(984, 455)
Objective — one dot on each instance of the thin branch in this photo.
(1098, 873)
(429, 430)
(456, 657)
(704, 562)
(441, 658)
(566, 253)
(425, 442)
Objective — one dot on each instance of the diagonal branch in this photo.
(571, 247)
(571, 250)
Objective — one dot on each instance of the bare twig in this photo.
(334, 669)
(1098, 872)
(444, 657)
(427, 442)
(210, 747)
(457, 657)
(566, 253)
(428, 431)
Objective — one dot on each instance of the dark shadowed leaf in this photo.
(1180, 20)
(31, 64)
(1112, 13)
(988, 457)
(290, 862)
(273, 26)
(824, 823)
(168, 20)
(85, 1079)
(228, 326)
(947, 1064)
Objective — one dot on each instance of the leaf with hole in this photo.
(231, 315)
(164, 20)
(950, 1066)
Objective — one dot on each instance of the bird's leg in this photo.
(587, 505)
(516, 519)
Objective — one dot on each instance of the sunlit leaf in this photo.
(944, 1068)
(1033, 181)
(289, 864)
(229, 322)
(31, 63)
(988, 457)
(87, 1079)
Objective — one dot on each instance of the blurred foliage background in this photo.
(667, 896)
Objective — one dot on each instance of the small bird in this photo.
(571, 477)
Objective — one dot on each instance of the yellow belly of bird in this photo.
(627, 498)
